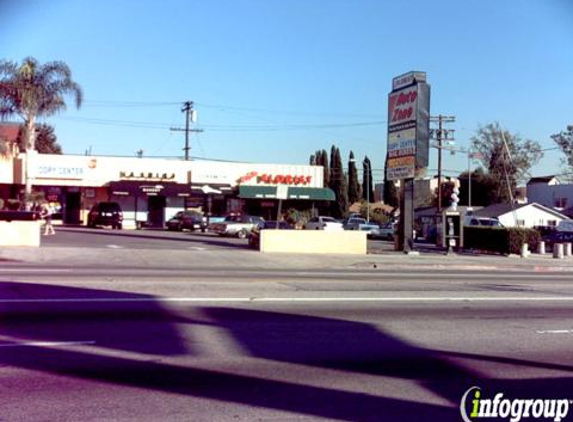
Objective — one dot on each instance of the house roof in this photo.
(568, 212)
(541, 179)
(9, 131)
(431, 211)
(497, 210)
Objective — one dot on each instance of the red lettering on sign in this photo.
(281, 179)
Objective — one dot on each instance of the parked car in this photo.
(474, 220)
(106, 214)
(186, 220)
(255, 235)
(385, 231)
(557, 237)
(361, 224)
(323, 223)
(236, 225)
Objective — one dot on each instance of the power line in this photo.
(221, 128)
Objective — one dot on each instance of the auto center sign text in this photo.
(408, 126)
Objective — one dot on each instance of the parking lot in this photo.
(82, 237)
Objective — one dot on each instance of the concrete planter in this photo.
(314, 241)
(20, 233)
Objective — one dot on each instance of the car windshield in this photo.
(357, 221)
(486, 222)
(233, 218)
(109, 207)
(329, 220)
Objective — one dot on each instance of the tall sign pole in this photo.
(408, 144)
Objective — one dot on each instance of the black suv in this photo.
(106, 214)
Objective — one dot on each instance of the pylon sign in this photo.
(408, 126)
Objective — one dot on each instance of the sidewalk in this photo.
(248, 259)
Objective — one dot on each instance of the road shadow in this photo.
(142, 324)
(39, 312)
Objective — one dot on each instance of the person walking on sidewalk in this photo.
(46, 214)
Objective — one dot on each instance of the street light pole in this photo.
(469, 178)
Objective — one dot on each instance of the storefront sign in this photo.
(408, 79)
(408, 126)
(141, 175)
(278, 179)
(151, 189)
(59, 172)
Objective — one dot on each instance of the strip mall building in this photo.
(151, 190)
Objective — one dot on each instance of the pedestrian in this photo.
(46, 214)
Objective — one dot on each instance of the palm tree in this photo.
(33, 90)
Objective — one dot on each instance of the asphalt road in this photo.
(157, 239)
(177, 344)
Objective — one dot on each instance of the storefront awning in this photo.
(293, 193)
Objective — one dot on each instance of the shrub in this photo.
(504, 240)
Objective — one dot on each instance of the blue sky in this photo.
(273, 81)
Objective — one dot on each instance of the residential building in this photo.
(523, 215)
(549, 191)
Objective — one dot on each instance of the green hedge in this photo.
(504, 240)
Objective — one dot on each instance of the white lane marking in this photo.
(35, 270)
(197, 248)
(115, 247)
(48, 343)
(554, 331)
(290, 299)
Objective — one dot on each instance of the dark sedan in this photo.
(186, 220)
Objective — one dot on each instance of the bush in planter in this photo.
(504, 240)
(491, 239)
(519, 236)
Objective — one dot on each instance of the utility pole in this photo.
(189, 112)
(440, 135)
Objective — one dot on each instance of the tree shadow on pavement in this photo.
(140, 324)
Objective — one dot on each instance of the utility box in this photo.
(452, 230)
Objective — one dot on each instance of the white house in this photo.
(523, 215)
(550, 192)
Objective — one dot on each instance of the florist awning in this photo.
(293, 193)
(141, 188)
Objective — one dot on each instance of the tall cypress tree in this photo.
(367, 188)
(353, 185)
(338, 184)
(324, 163)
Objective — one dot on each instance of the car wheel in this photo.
(119, 226)
(242, 234)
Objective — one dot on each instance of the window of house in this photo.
(552, 223)
(561, 202)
